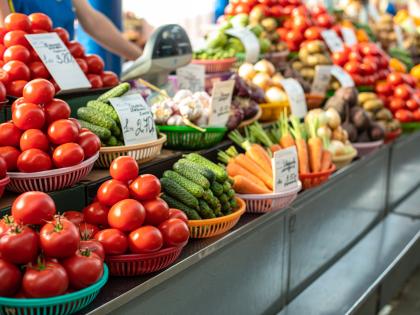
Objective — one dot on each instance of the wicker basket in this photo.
(315, 179)
(271, 111)
(143, 152)
(365, 148)
(344, 160)
(212, 66)
(250, 121)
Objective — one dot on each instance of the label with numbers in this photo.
(296, 97)
(332, 40)
(59, 61)
(137, 123)
(250, 42)
(191, 77)
(349, 36)
(342, 76)
(221, 100)
(285, 169)
(399, 36)
(321, 80)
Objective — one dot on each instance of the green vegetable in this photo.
(192, 175)
(219, 171)
(223, 198)
(226, 208)
(205, 211)
(120, 143)
(193, 188)
(102, 133)
(233, 203)
(112, 142)
(226, 186)
(178, 192)
(116, 131)
(216, 188)
(173, 203)
(104, 108)
(199, 168)
(230, 193)
(117, 91)
(212, 201)
(96, 117)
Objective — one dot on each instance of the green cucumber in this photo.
(178, 192)
(96, 117)
(193, 188)
(173, 203)
(104, 108)
(219, 171)
(205, 211)
(103, 133)
(192, 175)
(117, 91)
(200, 169)
(216, 188)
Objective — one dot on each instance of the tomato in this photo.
(9, 134)
(16, 52)
(395, 78)
(324, 20)
(313, 33)
(109, 78)
(39, 91)
(68, 154)
(408, 79)
(175, 232)
(416, 115)
(19, 245)
(178, 214)
(4, 76)
(5, 224)
(89, 142)
(3, 168)
(2, 92)
(230, 9)
(242, 8)
(126, 215)
(33, 207)
(145, 187)
(282, 31)
(396, 104)
(95, 80)
(369, 49)
(354, 55)
(11, 278)
(145, 239)
(318, 9)
(10, 155)
(63, 131)
(339, 58)
(28, 116)
(34, 160)
(276, 11)
(17, 21)
(3, 32)
(34, 139)
(17, 102)
(62, 32)
(402, 91)
(40, 21)
(404, 115)
(15, 88)
(124, 168)
(75, 217)
(294, 36)
(82, 64)
(87, 231)
(367, 68)
(114, 241)
(38, 70)
(112, 191)
(76, 49)
(383, 88)
(46, 279)
(352, 67)
(17, 70)
(16, 38)
(412, 104)
(58, 110)
(95, 64)
(77, 123)
(59, 238)
(157, 211)
(96, 214)
(94, 246)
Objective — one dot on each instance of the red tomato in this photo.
(3, 32)
(404, 115)
(416, 116)
(62, 32)
(352, 67)
(175, 232)
(3, 168)
(17, 70)
(15, 88)
(90, 143)
(146, 239)
(178, 214)
(16, 38)
(39, 91)
(396, 104)
(33, 207)
(242, 8)
(17, 102)
(4, 76)
(412, 104)
(395, 78)
(28, 116)
(9, 134)
(34, 55)
(124, 168)
(75, 217)
(5, 224)
(96, 214)
(10, 155)
(408, 79)
(402, 91)
(112, 191)
(318, 9)
(59, 238)
(339, 58)
(126, 215)
(114, 241)
(11, 278)
(46, 279)
(41, 21)
(63, 131)
(157, 211)
(282, 31)
(369, 49)
(76, 49)
(38, 70)
(87, 231)
(17, 21)
(2, 92)
(16, 52)
(145, 187)
(95, 64)
(324, 20)
(19, 245)
(82, 64)
(77, 123)
(109, 78)
(95, 80)
(94, 246)
(313, 33)
(230, 9)
(68, 154)
(34, 160)
(34, 139)
(294, 36)
(276, 11)
(58, 110)
(354, 55)
(383, 88)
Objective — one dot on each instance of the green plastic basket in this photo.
(365, 88)
(62, 305)
(410, 127)
(188, 138)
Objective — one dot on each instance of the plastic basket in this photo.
(271, 111)
(250, 121)
(213, 66)
(365, 148)
(142, 153)
(410, 127)
(212, 227)
(270, 202)
(315, 179)
(188, 138)
(365, 88)
(314, 101)
(138, 264)
(344, 160)
(392, 135)
(55, 179)
(3, 184)
(64, 304)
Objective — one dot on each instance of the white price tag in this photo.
(399, 35)
(321, 80)
(349, 36)
(136, 119)
(373, 12)
(342, 76)
(250, 42)
(285, 169)
(332, 40)
(221, 100)
(191, 77)
(59, 61)
(296, 97)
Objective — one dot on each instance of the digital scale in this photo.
(167, 49)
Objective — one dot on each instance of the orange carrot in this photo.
(275, 147)
(286, 139)
(260, 156)
(326, 160)
(255, 169)
(234, 169)
(244, 185)
(315, 147)
(301, 146)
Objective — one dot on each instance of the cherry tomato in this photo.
(416, 116)
(39, 91)
(75, 217)
(395, 78)
(94, 246)
(114, 241)
(175, 232)
(76, 49)
(62, 32)
(38, 70)
(404, 115)
(16, 52)
(109, 78)
(59, 238)
(34, 160)
(84, 269)
(96, 214)
(412, 104)
(402, 91)
(3, 168)
(87, 231)
(9, 134)
(367, 68)
(33, 207)
(34, 139)
(90, 143)
(82, 64)
(178, 214)
(15, 88)
(58, 110)
(19, 245)
(11, 278)
(369, 49)
(62, 131)
(28, 116)
(17, 21)
(157, 211)
(46, 279)
(16, 38)
(17, 70)
(4, 77)
(40, 21)
(112, 191)
(145, 239)
(124, 168)
(10, 155)
(95, 80)
(145, 187)
(68, 154)
(324, 20)
(126, 215)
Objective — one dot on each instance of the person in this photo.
(63, 14)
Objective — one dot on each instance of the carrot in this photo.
(326, 160)
(315, 147)
(244, 185)
(275, 147)
(255, 169)
(286, 139)
(301, 146)
(234, 169)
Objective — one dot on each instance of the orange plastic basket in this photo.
(315, 179)
(212, 227)
(218, 65)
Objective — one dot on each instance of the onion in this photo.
(246, 71)
(317, 114)
(333, 118)
(324, 131)
(276, 80)
(262, 80)
(265, 66)
(337, 148)
(275, 95)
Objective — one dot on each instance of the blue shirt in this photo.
(61, 12)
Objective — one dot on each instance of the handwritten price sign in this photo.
(221, 100)
(342, 76)
(285, 169)
(321, 80)
(332, 40)
(296, 97)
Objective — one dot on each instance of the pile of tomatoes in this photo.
(41, 136)
(400, 94)
(51, 262)
(270, 8)
(20, 62)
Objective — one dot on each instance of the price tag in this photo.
(59, 61)
(349, 36)
(285, 169)
(373, 12)
(250, 42)
(221, 100)
(332, 40)
(342, 76)
(321, 80)
(296, 97)
(191, 77)
(399, 35)
(136, 119)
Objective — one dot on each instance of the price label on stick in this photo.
(373, 12)
(332, 40)
(399, 36)
(59, 61)
(191, 77)
(349, 36)
(250, 42)
(321, 80)
(342, 76)
(296, 97)
(285, 169)
(136, 119)
(221, 100)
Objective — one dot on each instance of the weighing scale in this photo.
(166, 50)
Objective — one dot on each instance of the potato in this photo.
(315, 46)
(297, 65)
(384, 114)
(307, 73)
(366, 96)
(303, 54)
(373, 105)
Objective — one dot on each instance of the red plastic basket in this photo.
(392, 135)
(3, 184)
(50, 180)
(222, 65)
(138, 264)
(315, 179)
(365, 148)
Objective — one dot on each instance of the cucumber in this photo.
(192, 175)
(120, 143)
(96, 117)
(226, 186)
(117, 91)
(103, 133)
(223, 198)
(212, 201)
(116, 131)
(230, 193)
(193, 188)
(233, 203)
(216, 188)
(205, 211)
(200, 169)
(219, 171)
(173, 203)
(104, 108)
(112, 142)
(178, 192)
(226, 208)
